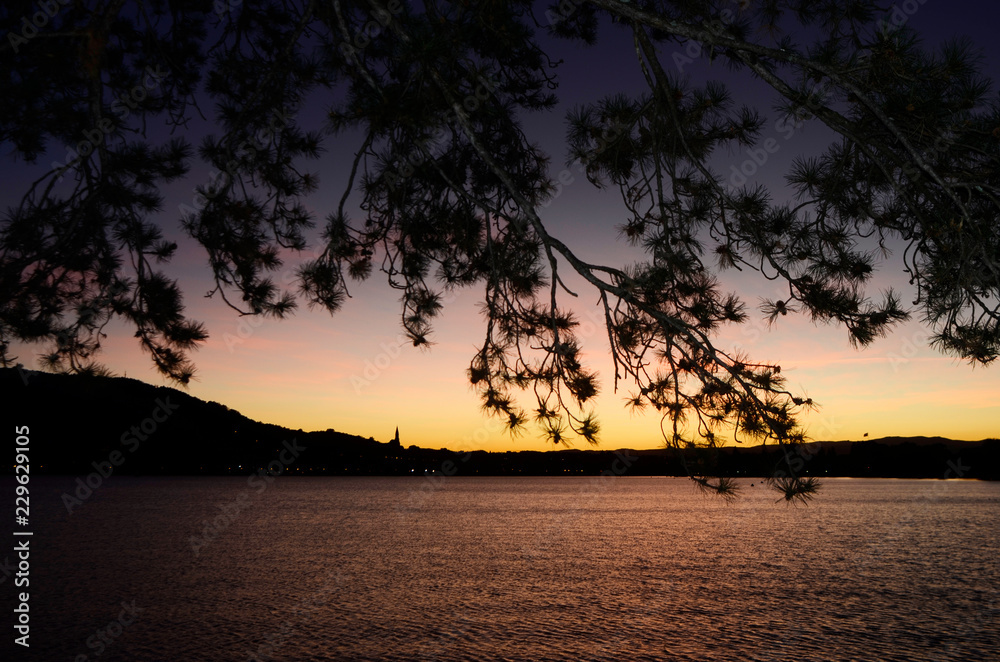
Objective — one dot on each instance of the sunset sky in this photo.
(355, 373)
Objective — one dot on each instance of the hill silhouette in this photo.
(80, 423)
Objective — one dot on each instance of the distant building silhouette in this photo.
(395, 440)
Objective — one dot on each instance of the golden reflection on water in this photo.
(525, 569)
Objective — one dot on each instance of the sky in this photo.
(354, 372)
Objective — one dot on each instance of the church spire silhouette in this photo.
(395, 440)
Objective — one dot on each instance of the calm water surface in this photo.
(513, 569)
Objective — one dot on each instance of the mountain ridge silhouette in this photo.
(77, 422)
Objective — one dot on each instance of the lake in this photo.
(574, 568)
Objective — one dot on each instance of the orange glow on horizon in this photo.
(353, 373)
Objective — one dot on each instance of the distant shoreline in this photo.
(83, 426)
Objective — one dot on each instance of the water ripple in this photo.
(522, 569)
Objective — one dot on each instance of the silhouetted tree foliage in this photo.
(452, 193)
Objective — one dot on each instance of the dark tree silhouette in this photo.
(453, 194)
